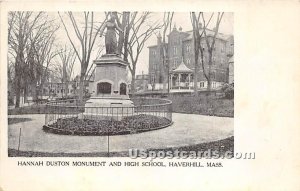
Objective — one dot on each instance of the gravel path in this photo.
(188, 129)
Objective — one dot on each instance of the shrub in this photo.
(128, 125)
(228, 89)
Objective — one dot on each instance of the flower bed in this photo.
(128, 125)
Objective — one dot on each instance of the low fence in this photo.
(152, 108)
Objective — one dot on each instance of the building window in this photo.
(153, 52)
(188, 61)
(201, 84)
(175, 50)
(122, 89)
(222, 47)
(188, 48)
(160, 80)
(214, 84)
(103, 88)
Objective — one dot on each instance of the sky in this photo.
(180, 19)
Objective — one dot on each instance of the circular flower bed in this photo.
(128, 125)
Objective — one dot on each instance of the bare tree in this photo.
(197, 36)
(65, 68)
(123, 22)
(86, 38)
(210, 46)
(27, 30)
(167, 22)
(40, 55)
(139, 31)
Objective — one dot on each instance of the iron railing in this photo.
(63, 109)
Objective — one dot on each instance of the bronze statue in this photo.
(110, 36)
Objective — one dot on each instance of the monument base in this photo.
(108, 108)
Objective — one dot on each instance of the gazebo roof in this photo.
(182, 68)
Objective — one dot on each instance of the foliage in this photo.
(228, 89)
(128, 125)
(204, 105)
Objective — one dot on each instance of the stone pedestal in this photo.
(110, 89)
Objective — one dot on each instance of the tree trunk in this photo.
(81, 88)
(66, 88)
(121, 34)
(209, 72)
(33, 91)
(25, 93)
(133, 83)
(196, 72)
(18, 94)
(17, 85)
(165, 81)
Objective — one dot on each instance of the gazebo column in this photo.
(179, 78)
(189, 81)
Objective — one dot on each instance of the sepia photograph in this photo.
(111, 84)
(146, 95)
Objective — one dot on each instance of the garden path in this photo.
(188, 129)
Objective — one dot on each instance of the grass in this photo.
(221, 146)
(17, 120)
(33, 109)
(203, 105)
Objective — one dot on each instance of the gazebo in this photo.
(181, 78)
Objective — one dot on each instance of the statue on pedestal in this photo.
(110, 36)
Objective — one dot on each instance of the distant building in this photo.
(230, 55)
(141, 82)
(180, 50)
(56, 88)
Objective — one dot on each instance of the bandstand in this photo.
(181, 79)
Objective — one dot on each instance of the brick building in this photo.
(180, 50)
(230, 55)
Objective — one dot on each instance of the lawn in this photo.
(17, 120)
(33, 109)
(221, 146)
(204, 105)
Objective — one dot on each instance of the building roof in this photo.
(182, 68)
(189, 36)
(153, 46)
(208, 33)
